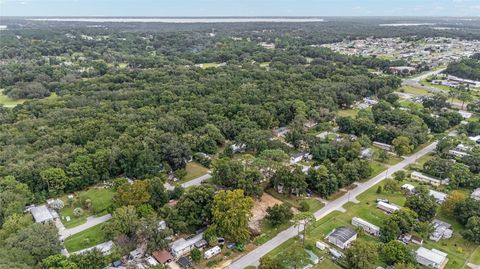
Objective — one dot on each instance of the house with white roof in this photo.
(432, 258)
(384, 146)
(465, 114)
(386, 207)
(183, 246)
(424, 178)
(43, 214)
(476, 194)
(366, 226)
(439, 196)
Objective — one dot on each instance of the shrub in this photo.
(304, 206)
(77, 212)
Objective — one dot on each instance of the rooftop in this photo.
(41, 213)
(433, 255)
(343, 234)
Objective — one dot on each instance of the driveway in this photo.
(253, 257)
(91, 221)
(196, 181)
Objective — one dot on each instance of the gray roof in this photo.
(41, 213)
(343, 234)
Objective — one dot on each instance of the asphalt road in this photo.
(253, 257)
(91, 221)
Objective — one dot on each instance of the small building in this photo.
(476, 194)
(458, 153)
(383, 146)
(280, 131)
(475, 139)
(42, 214)
(201, 244)
(366, 153)
(442, 230)
(407, 238)
(465, 114)
(424, 178)
(310, 124)
(162, 256)
(212, 252)
(239, 147)
(183, 246)
(184, 262)
(402, 70)
(408, 187)
(439, 196)
(388, 208)
(320, 245)
(432, 258)
(335, 253)
(366, 226)
(342, 237)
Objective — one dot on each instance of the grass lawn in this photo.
(9, 102)
(209, 65)
(377, 168)
(415, 90)
(101, 201)
(194, 170)
(85, 239)
(294, 201)
(347, 112)
(264, 64)
(443, 87)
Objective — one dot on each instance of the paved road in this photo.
(196, 181)
(91, 221)
(254, 256)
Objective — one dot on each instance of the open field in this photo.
(347, 112)
(414, 90)
(194, 170)
(101, 200)
(9, 102)
(85, 239)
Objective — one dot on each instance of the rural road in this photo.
(91, 221)
(196, 181)
(253, 257)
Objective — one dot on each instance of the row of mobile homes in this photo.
(387, 208)
(366, 226)
(424, 178)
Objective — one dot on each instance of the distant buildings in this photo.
(433, 258)
(424, 178)
(299, 157)
(342, 237)
(387, 208)
(465, 114)
(408, 187)
(366, 226)
(407, 238)
(403, 70)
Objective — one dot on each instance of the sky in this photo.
(239, 8)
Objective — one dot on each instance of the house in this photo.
(43, 214)
(424, 178)
(184, 262)
(310, 124)
(476, 194)
(442, 230)
(465, 114)
(475, 139)
(408, 187)
(239, 147)
(366, 153)
(384, 146)
(162, 256)
(150, 261)
(388, 208)
(439, 196)
(104, 248)
(366, 226)
(201, 244)
(212, 252)
(402, 70)
(320, 245)
(432, 258)
(183, 246)
(342, 237)
(457, 153)
(280, 131)
(300, 156)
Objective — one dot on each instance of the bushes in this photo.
(304, 206)
(279, 214)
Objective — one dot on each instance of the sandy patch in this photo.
(259, 210)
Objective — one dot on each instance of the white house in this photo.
(408, 187)
(366, 226)
(439, 196)
(433, 258)
(458, 153)
(383, 146)
(476, 194)
(424, 178)
(212, 252)
(43, 214)
(183, 246)
(388, 208)
(342, 237)
(475, 138)
(465, 114)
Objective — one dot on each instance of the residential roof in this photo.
(433, 255)
(438, 195)
(182, 243)
(162, 256)
(41, 213)
(343, 234)
(184, 262)
(475, 193)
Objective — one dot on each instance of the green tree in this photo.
(472, 230)
(279, 214)
(90, 259)
(400, 175)
(55, 178)
(453, 199)
(296, 257)
(149, 232)
(267, 262)
(134, 194)
(395, 252)
(361, 255)
(124, 221)
(15, 223)
(231, 212)
(422, 203)
(196, 255)
(195, 206)
(402, 145)
(58, 261)
(158, 194)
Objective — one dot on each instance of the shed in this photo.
(162, 256)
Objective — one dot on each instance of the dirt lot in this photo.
(260, 210)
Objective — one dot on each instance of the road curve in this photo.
(253, 257)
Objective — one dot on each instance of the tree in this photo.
(150, 232)
(90, 259)
(279, 214)
(124, 221)
(383, 156)
(14, 223)
(404, 266)
(400, 175)
(472, 230)
(55, 178)
(132, 194)
(402, 145)
(361, 255)
(467, 209)
(158, 194)
(58, 261)
(422, 203)
(195, 206)
(395, 252)
(231, 212)
(270, 263)
(196, 255)
(38, 240)
(391, 186)
(453, 199)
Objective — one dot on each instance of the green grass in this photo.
(443, 87)
(264, 64)
(194, 170)
(101, 201)
(85, 239)
(209, 65)
(415, 90)
(347, 112)
(377, 168)
(9, 102)
(294, 201)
